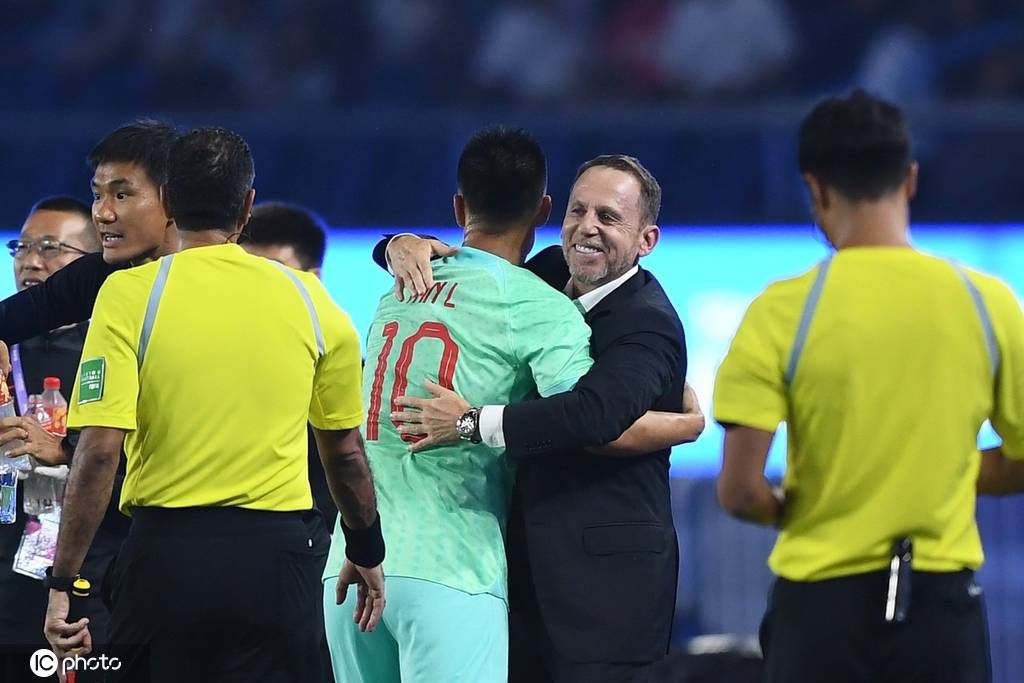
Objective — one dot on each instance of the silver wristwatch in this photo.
(468, 426)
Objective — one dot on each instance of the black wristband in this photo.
(58, 583)
(364, 547)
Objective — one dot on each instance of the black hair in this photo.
(502, 174)
(64, 204)
(859, 144)
(145, 142)
(209, 173)
(277, 223)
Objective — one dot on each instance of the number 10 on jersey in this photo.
(445, 372)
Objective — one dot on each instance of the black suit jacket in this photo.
(591, 542)
(598, 555)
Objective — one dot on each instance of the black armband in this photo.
(364, 547)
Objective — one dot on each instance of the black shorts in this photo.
(218, 594)
(834, 631)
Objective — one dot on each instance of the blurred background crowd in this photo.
(707, 93)
(271, 54)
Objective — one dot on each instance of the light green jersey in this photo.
(496, 334)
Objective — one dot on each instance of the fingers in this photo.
(7, 422)
(412, 401)
(439, 248)
(426, 274)
(27, 449)
(423, 444)
(416, 430)
(13, 434)
(399, 288)
(340, 591)
(417, 284)
(374, 611)
(357, 614)
(69, 636)
(86, 646)
(436, 389)
(407, 416)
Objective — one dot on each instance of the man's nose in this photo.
(32, 260)
(589, 226)
(102, 212)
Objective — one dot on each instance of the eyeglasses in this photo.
(46, 248)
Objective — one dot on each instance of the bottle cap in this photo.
(51, 383)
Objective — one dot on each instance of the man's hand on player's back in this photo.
(409, 257)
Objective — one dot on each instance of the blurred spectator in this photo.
(727, 47)
(899, 63)
(529, 50)
(630, 43)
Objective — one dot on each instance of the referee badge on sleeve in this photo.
(91, 379)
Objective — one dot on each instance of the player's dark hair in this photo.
(209, 173)
(277, 223)
(858, 144)
(502, 174)
(650, 189)
(145, 142)
(63, 204)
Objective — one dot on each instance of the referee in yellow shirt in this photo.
(884, 362)
(206, 366)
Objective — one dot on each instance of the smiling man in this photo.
(129, 165)
(582, 521)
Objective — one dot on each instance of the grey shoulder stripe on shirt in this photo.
(317, 331)
(153, 305)
(805, 320)
(986, 319)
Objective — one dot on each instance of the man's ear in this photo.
(543, 211)
(820, 196)
(649, 237)
(246, 214)
(165, 203)
(459, 205)
(910, 188)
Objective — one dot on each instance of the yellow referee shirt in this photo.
(883, 406)
(213, 360)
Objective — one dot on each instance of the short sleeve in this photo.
(106, 390)
(550, 335)
(337, 401)
(750, 387)
(1008, 406)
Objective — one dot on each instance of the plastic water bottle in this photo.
(43, 492)
(55, 407)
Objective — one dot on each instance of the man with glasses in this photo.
(57, 232)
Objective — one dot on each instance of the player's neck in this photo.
(874, 224)
(507, 245)
(203, 238)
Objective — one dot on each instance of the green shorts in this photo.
(428, 633)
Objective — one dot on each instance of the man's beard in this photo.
(588, 278)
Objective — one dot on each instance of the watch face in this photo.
(464, 427)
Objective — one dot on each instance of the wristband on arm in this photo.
(364, 547)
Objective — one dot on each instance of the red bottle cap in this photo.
(51, 383)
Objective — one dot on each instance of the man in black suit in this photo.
(592, 551)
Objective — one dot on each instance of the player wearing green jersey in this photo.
(498, 334)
